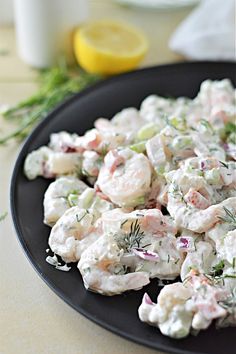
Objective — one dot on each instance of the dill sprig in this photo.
(131, 239)
(207, 125)
(56, 84)
(81, 218)
(224, 164)
(178, 194)
(3, 216)
(217, 269)
(229, 217)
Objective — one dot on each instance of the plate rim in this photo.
(16, 168)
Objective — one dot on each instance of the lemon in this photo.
(109, 47)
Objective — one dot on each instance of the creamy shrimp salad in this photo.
(150, 194)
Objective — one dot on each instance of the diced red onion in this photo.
(203, 165)
(67, 148)
(185, 243)
(147, 300)
(226, 146)
(145, 254)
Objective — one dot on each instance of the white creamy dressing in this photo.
(172, 153)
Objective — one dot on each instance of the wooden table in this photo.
(33, 320)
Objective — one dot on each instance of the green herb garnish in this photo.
(178, 194)
(3, 216)
(217, 270)
(56, 84)
(79, 219)
(229, 217)
(224, 164)
(132, 239)
(207, 125)
(230, 128)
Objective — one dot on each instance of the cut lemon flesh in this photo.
(109, 47)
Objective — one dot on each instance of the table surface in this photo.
(32, 318)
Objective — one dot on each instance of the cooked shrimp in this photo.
(226, 247)
(104, 272)
(56, 200)
(126, 122)
(101, 141)
(141, 240)
(125, 177)
(205, 301)
(150, 221)
(198, 220)
(201, 259)
(182, 306)
(195, 195)
(218, 100)
(91, 163)
(63, 142)
(170, 313)
(73, 233)
(50, 164)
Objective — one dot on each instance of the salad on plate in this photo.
(150, 194)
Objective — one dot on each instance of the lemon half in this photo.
(109, 47)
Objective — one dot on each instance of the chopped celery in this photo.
(178, 123)
(160, 170)
(181, 142)
(138, 201)
(86, 198)
(73, 199)
(147, 131)
(139, 147)
(100, 205)
(213, 176)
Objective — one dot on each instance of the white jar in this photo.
(44, 28)
(6, 12)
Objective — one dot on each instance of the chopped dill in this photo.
(229, 217)
(224, 164)
(104, 150)
(123, 223)
(177, 192)
(207, 125)
(217, 270)
(79, 219)
(132, 239)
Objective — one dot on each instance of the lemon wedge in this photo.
(109, 47)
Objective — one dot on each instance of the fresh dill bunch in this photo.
(55, 85)
(131, 239)
(229, 217)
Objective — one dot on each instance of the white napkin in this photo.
(208, 33)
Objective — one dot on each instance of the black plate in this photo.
(118, 313)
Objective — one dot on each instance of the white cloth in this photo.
(208, 33)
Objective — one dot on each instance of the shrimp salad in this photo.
(150, 194)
